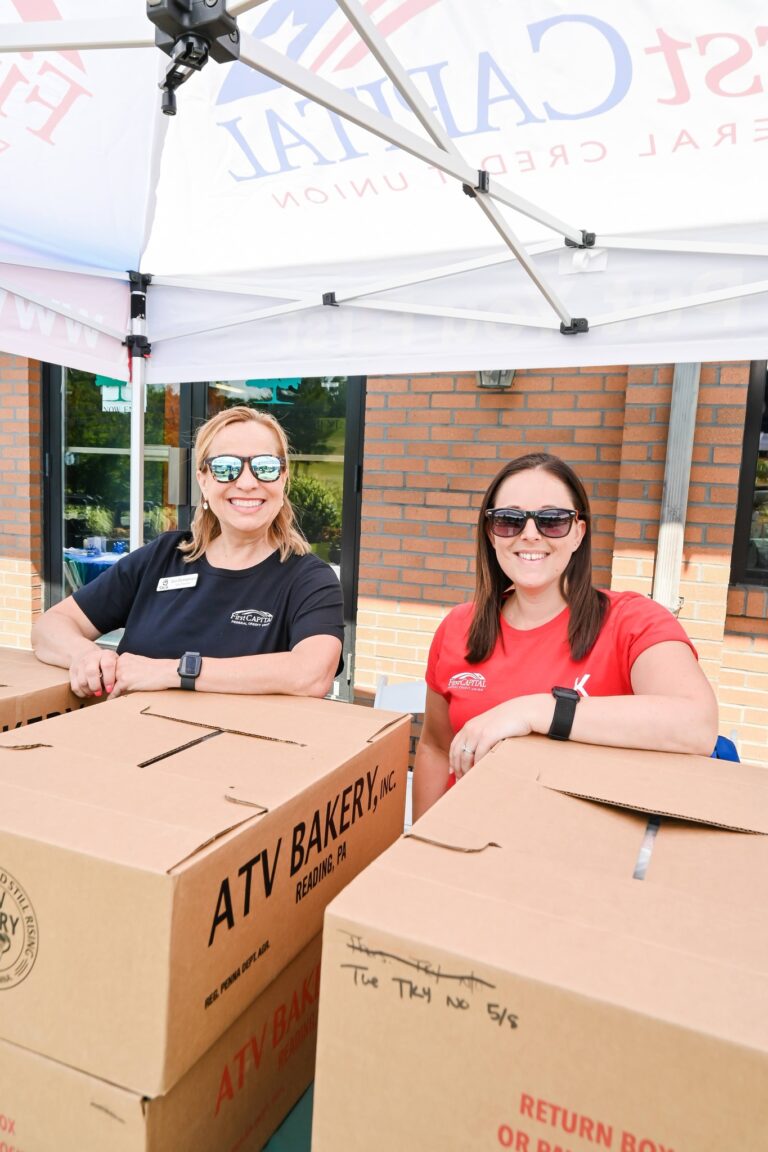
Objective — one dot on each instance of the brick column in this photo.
(712, 496)
(21, 543)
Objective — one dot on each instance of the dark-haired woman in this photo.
(540, 649)
(237, 604)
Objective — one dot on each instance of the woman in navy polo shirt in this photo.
(237, 604)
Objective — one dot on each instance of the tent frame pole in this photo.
(379, 48)
(138, 351)
(677, 473)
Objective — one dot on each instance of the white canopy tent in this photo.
(304, 213)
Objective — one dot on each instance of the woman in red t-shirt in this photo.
(540, 649)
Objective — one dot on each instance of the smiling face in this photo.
(245, 507)
(534, 562)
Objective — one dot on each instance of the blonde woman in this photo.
(237, 604)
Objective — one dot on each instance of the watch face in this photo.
(190, 664)
(566, 693)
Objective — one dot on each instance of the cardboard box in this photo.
(233, 1098)
(163, 857)
(31, 691)
(542, 966)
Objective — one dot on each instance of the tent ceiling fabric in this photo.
(331, 159)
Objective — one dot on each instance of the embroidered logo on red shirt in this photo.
(468, 681)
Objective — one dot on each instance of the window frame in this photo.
(756, 391)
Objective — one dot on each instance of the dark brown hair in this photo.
(588, 606)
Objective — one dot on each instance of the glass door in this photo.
(94, 472)
(323, 418)
(86, 451)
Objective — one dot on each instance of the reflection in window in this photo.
(312, 412)
(96, 479)
(757, 550)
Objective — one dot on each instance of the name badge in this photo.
(168, 583)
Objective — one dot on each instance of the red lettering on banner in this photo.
(13, 79)
(58, 110)
(32, 10)
(726, 133)
(670, 50)
(47, 87)
(684, 139)
(742, 55)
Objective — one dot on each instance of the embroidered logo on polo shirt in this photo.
(468, 681)
(252, 617)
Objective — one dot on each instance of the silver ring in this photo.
(469, 751)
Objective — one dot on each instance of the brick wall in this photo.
(21, 542)
(434, 442)
(432, 445)
(743, 691)
(712, 495)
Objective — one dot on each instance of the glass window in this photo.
(750, 553)
(324, 419)
(96, 470)
(313, 413)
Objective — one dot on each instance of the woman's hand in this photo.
(478, 736)
(92, 671)
(142, 674)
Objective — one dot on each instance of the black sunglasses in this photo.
(225, 469)
(552, 522)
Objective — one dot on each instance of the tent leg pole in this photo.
(138, 350)
(137, 454)
(677, 473)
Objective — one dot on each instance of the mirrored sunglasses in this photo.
(225, 469)
(552, 522)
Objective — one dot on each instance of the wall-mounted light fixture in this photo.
(498, 380)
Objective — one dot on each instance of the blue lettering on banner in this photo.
(270, 143)
(621, 57)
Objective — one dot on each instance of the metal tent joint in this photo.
(577, 324)
(483, 184)
(139, 282)
(587, 241)
(139, 346)
(190, 33)
(329, 298)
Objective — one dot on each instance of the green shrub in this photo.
(318, 509)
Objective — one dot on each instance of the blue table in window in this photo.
(82, 565)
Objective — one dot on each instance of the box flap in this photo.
(717, 792)
(502, 801)
(111, 810)
(170, 772)
(287, 719)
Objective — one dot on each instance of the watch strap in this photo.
(566, 700)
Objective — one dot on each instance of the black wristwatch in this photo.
(189, 669)
(566, 700)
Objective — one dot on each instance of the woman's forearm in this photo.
(430, 777)
(307, 670)
(57, 639)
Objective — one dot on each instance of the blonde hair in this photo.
(283, 533)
